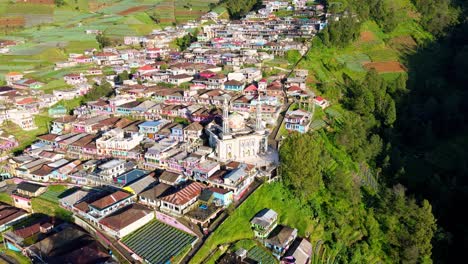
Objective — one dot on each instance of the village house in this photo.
(27, 84)
(111, 169)
(299, 252)
(234, 85)
(320, 101)
(180, 79)
(108, 204)
(297, 120)
(13, 77)
(117, 143)
(24, 119)
(24, 192)
(280, 239)
(152, 196)
(126, 220)
(10, 215)
(182, 200)
(264, 222)
(74, 78)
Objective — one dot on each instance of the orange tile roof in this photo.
(185, 194)
(110, 199)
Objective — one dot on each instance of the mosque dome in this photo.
(236, 121)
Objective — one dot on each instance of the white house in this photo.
(126, 220)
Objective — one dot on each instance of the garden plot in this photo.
(157, 242)
(261, 255)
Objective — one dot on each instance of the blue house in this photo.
(222, 197)
(126, 109)
(234, 86)
(150, 128)
(177, 132)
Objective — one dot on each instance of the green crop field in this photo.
(261, 255)
(166, 242)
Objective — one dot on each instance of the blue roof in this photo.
(150, 123)
(131, 176)
(236, 174)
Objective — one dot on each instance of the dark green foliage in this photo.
(122, 77)
(342, 32)
(103, 41)
(98, 91)
(359, 227)
(59, 3)
(302, 165)
(429, 151)
(182, 121)
(238, 8)
(184, 42)
(436, 15)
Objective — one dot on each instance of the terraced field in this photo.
(261, 255)
(172, 11)
(157, 242)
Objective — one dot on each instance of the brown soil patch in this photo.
(9, 22)
(386, 66)
(96, 6)
(367, 36)
(403, 43)
(414, 15)
(166, 20)
(133, 10)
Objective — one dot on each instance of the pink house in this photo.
(83, 59)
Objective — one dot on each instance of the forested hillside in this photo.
(395, 160)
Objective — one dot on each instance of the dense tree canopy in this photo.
(238, 8)
(103, 90)
(103, 41)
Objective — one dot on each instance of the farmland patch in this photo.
(384, 67)
(157, 242)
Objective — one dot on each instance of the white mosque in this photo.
(235, 140)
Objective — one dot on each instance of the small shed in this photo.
(58, 111)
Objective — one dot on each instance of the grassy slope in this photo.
(291, 212)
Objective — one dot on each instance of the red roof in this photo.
(263, 80)
(185, 194)
(25, 101)
(319, 99)
(251, 88)
(110, 199)
(294, 88)
(146, 68)
(48, 137)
